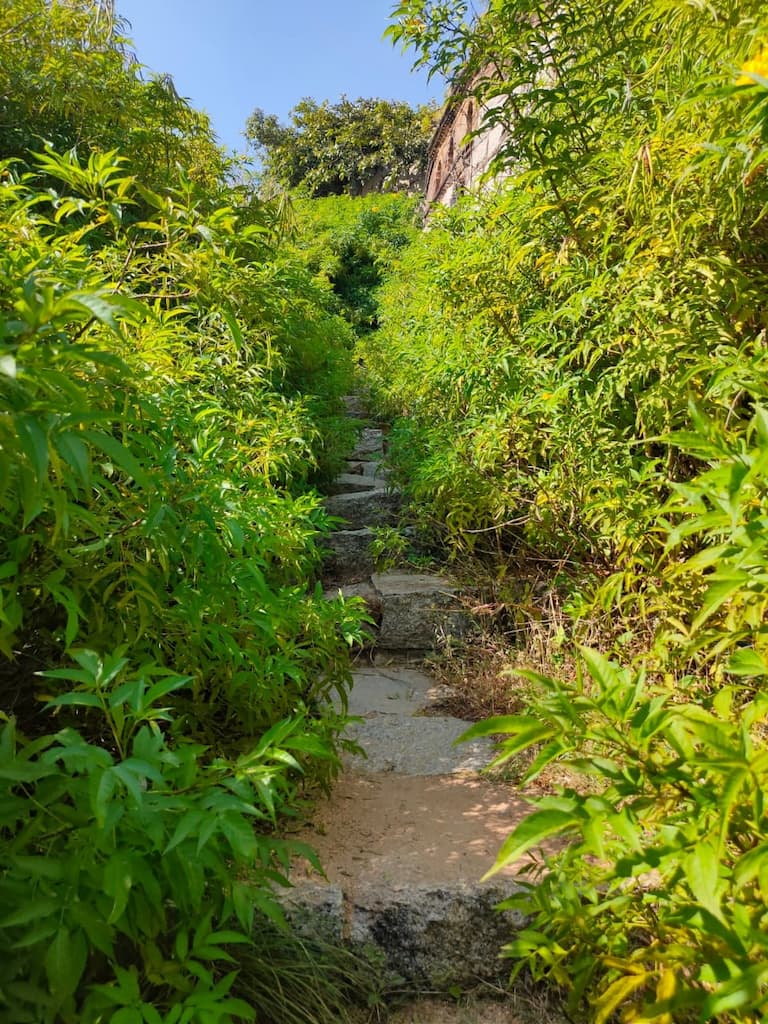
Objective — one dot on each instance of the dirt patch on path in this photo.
(413, 829)
(470, 1010)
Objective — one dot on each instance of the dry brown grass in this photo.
(485, 1006)
(529, 633)
(481, 677)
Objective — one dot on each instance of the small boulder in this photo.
(349, 554)
(417, 609)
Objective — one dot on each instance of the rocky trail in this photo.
(411, 827)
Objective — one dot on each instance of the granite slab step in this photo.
(349, 554)
(370, 446)
(352, 483)
(404, 858)
(363, 589)
(483, 1006)
(430, 937)
(369, 508)
(418, 610)
(415, 745)
(355, 408)
(394, 690)
(375, 469)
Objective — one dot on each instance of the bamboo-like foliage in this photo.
(578, 361)
(171, 678)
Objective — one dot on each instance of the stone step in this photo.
(349, 554)
(355, 407)
(393, 690)
(351, 483)
(403, 858)
(417, 609)
(369, 447)
(409, 830)
(422, 745)
(374, 468)
(430, 937)
(482, 1007)
(370, 508)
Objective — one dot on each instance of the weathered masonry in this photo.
(459, 155)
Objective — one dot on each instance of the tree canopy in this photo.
(353, 146)
(68, 78)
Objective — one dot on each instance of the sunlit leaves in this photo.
(167, 377)
(578, 363)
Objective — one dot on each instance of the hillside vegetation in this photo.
(576, 363)
(575, 366)
(170, 381)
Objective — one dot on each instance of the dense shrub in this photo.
(350, 242)
(171, 678)
(577, 363)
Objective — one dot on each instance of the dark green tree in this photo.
(353, 146)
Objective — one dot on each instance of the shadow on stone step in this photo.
(412, 612)
(369, 508)
(355, 407)
(432, 936)
(370, 445)
(349, 554)
(351, 483)
(419, 610)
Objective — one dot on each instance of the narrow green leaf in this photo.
(34, 443)
(74, 452)
(75, 699)
(65, 962)
(532, 831)
(119, 455)
(31, 911)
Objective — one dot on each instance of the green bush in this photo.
(166, 376)
(576, 364)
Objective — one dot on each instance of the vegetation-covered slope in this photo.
(577, 367)
(578, 364)
(169, 390)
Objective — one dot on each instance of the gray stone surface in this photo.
(376, 470)
(422, 745)
(371, 508)
(409, 829)
(355, 407)
(349, 483)
(369, 444)
(436, 936)
(349, 555)
(315, 909)
(418, 609)
(394, 691)
(432, 936)
(364, 589)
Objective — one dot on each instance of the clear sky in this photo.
(230, 56)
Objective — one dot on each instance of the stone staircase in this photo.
(410, 829)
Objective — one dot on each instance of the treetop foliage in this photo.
(68, 79)
(353, 146)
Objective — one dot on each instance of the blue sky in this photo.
(230, 56)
